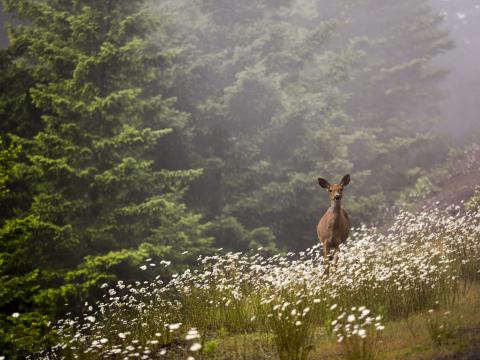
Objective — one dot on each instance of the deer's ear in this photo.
(345, 180)
(323, 183)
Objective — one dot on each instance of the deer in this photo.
(334, 226)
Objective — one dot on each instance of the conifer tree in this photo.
(286, 91)
(396, 93)
(264, 117)
(102, 196)
(23, 329)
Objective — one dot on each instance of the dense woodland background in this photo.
(166, 129)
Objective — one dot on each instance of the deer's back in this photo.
(333, 229)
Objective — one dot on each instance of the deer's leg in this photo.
(335, 256)
(326, 252)
(331, 254)
(326, 258)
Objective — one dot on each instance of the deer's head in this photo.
(335, 190)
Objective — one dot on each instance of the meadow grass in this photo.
(247, 306)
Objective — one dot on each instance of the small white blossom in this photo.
(174, 326)
(365, 312)
(192, 334)
(195, 347)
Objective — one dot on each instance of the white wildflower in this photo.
(175, 326)
(365, 312)
(195, 347)
(192, 334)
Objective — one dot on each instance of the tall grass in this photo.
(423, 259)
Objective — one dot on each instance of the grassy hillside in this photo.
(408, 293)
(452, 183)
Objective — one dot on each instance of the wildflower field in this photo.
(413, 278)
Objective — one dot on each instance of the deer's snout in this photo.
(337, 197)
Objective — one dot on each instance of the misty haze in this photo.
(226, 179)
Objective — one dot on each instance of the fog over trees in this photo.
(166, 129)
(461, 87)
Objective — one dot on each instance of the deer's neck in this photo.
(335, 208)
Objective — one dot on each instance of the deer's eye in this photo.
(329, 190)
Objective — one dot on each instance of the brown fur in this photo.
(334, 227)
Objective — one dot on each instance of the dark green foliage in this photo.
(97, 188)
(8, 155)
(284, 92)
(28, 332)
(99, 196)
(396, 94)
(260, 115)
(233, 236)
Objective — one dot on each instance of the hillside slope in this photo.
(457, 180)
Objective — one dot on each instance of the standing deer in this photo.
(334, 226)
